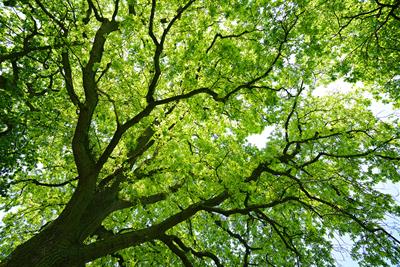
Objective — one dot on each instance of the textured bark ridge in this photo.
(52, 247)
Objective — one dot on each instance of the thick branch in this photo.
(96, 12)
(36, 182)
(156, 58)
(147, 200)
(199, 254)
(51, 16)
(116, 7)
(179, 13)
(290, 116)
(250, 208)
(119, 133)
(370, 152)
(106, 202)
(80, 143)
(84, 160)
(203, 90)
(151, 22)
(18, 54)
(177, 251)
(282, 235)
(68, 79)
(137, 237)
(160, 46)
(218, 35)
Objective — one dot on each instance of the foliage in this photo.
(124, 131)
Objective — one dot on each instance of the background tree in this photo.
(124, 129)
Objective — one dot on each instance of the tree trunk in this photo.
(51, 247)
(60, 243)
(57, 244)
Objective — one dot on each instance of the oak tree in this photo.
(125, 125)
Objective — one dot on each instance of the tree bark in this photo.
(51, 247)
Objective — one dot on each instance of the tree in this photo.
(124, 128)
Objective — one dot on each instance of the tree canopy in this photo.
(124, 132)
